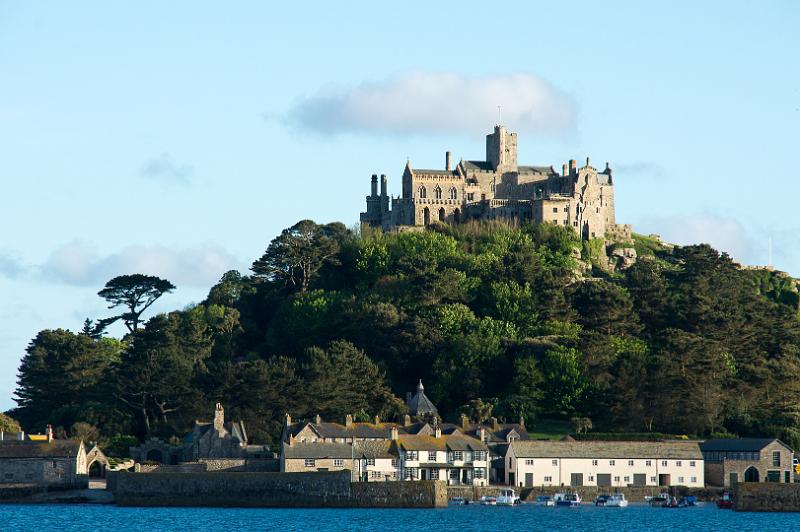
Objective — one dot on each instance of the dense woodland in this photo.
(509, 320)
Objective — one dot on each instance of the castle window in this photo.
(437, 192)
(422, 192)
(555, 209)
(453, 193)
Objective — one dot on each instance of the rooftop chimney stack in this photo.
(464, 421)
(383, 185)
(288, 419)
(49, 432)
(573, 165)
(565, 170)
(406, 420)
(447, 160)
(437, 432)
(348, 421)
(394, 434)
(377, 420)
(495, 425)
(219, 418)
(374, 184)
(318, 419)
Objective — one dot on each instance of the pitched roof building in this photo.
(419, 406)
(44, 463)
(732, 460)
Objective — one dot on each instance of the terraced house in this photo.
(604, 464)
(456, 458)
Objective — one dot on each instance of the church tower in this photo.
(501, 149)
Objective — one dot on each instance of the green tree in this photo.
(136, 293)
(7, 424)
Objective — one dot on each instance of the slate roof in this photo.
(432, 171)
(28, 449)
(486, 166)
(454, 442)
(607, 449)
(738, 444)
(420, 404)
(535, 170)
(317, 450)
(235, 428)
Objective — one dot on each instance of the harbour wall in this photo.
(248, 489)
(766, 497)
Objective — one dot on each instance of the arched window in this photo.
(442, 214)
(422, 192)
(437, 192)
(426, 216)
(453, 193)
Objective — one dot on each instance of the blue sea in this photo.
(69, 518)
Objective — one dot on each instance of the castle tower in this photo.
(501, 149)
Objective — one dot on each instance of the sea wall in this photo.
(587, 493)
(766, 497)
(251, 489)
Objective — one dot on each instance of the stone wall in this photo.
(322, 489)
(766, 497)
(587, 493)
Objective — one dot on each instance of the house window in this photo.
(310, 462)
(434, 474)
(437, 192)
(411, 455)
(395, 462)
(652, 479)
(479, 456)
(694, 480)
(616, 479)
(529, 461)
(548, 479)
(479, 472)
(663, 463)
(594, 462)
(691, 463)
(454, 474)
(422, 192)
(630, 462)
(612, 462)
(566, 222)
(627, 479)
(370, 461)
(776, 458)
(555, 209)
(678, 463)
(431, 456)
(566, 209)
(648, 463)
(453, 193)
(458, 455)
(591, 478)
(338, 462)
(555, 462)
(680, 480)
(575, 223)
(375, 474)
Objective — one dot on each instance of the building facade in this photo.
(44, 463)
(498, 188)
(732, 460)
(604, 464)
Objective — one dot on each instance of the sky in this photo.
(178, 138)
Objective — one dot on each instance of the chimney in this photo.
(522, 422)
(348, 421)
(318, 419)
(447, 160)
(406, 420)
(437, 431)
(374, 184)
(219, 418)
(377, 420)
(49, 432)
(394, 434)
(564, 170)
(482, 434)
(383, 185)
(291, 440)
(573, 165)
(464, 421)
(288, 419)
(495, 425)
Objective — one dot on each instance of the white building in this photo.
(604, 463)
(455, 458)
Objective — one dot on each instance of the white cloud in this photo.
(721, 233)
(10, 266)
(431, 102)
(78, 263)
(164, 168)
(641, 169)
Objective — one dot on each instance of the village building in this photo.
(369, 461)
(215, 439)
(732, 460)
(498, 188)
(47, 462)
(604, 464)
(497, 436)
(455, 458)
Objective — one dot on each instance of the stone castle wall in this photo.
(306, 490)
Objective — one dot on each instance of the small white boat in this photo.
(507, 497)
(617, 500)
(544, 500)
(458, 501)
(567, 499)
(488, 500)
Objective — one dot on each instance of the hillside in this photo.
(523, 322)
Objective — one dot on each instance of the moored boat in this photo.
(601, 499)
(458, 501)
(617, 500)
(507, 497)
(544, 500)
(725, 502)
(488, 500)
(567, 499)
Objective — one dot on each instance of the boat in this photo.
(544, 500)
(507, 497)
(657, 500)
(488, 500)
(458, 501)
(567, 499)
(725, 502)
(601, 499)
(674, 502)
(617, 500)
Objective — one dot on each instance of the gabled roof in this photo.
(420, 405)
(606, 449)
(485, 166)
(29, 449)
(454, 442)
(317, 450)
(738, 444)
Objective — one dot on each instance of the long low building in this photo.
(604, 463)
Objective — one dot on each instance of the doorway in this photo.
(751, 474)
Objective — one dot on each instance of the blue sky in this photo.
(177, 138)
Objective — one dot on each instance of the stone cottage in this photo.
(44, 463)
(732, 460)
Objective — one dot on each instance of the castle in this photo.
(498, 188)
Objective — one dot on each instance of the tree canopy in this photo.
(135, 292)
